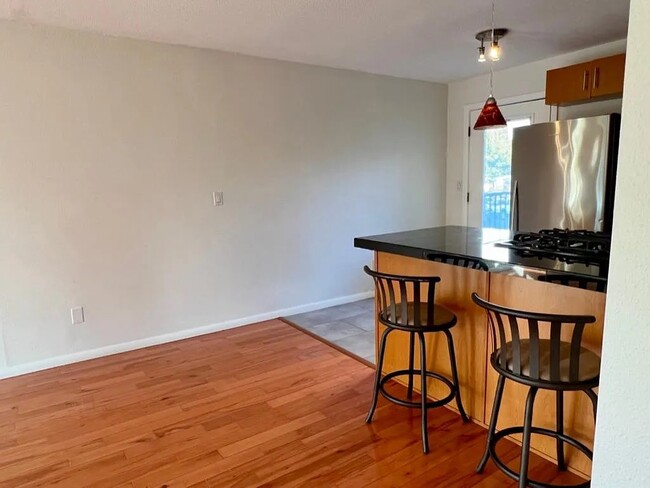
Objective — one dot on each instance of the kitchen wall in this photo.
(110, 150)
(623, 427)
(523, 80)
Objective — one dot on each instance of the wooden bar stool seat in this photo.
(589, 362)
(442, 318)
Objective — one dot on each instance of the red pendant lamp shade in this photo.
(490, 117)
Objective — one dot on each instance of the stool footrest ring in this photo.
(417, 372)
(541, 431)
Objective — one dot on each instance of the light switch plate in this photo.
(217, 198)
(77, 315)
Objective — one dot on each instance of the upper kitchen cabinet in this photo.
(579, 83)
(569, 84)
(608, 76)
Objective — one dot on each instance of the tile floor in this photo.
(350, 326)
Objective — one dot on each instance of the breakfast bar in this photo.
(515, 278)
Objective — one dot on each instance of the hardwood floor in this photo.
(262, 405)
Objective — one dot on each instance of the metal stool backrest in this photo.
(526, 325)
(465, 262)
(392, 292)
(577, 281)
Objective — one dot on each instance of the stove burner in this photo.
(570, 246)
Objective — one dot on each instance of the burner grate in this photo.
(570, 246)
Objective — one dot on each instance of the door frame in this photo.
(467, 109)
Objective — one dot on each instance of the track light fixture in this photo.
(494, 51)
(492, 36)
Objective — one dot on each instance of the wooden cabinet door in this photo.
(608, 74)
(569, 85)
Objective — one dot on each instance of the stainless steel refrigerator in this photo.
(563, 174)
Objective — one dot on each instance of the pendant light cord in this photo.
(491, 76)
(491, 60)
(493, 22)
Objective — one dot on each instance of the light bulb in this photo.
(495, 51)
(481, 54)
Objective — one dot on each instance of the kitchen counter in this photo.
(405, 253)
(475, 243)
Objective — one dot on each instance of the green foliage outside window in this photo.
(498, 152)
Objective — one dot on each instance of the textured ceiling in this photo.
(420, 39)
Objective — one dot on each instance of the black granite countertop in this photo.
(475, 243)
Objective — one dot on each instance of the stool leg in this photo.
(423, 373)
(380, 364)
(559, 424)
(409, 393)
(525, 440)
(594, 400)
(493, 422)
(454, 375)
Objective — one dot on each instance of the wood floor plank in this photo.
(264, 405)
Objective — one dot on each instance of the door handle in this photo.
(585, 80)
(514, 207)
(596, 77)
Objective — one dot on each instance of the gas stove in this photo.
(569, 246)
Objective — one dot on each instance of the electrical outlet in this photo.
(77, 314)
(217, 198)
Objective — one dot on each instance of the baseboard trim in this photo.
(76, 357)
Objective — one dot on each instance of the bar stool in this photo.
(576, 281)
(550, 364)
(416, 317)
(462, 261)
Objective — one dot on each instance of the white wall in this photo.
(110, 150)
(623, 428)
(514, 82)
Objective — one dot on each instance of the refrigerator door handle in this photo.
(514, 207)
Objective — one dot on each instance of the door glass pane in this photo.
(496, 174)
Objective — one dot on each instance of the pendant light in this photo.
(491, 117)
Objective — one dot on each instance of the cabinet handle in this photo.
(596, 77)
(585, 81)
